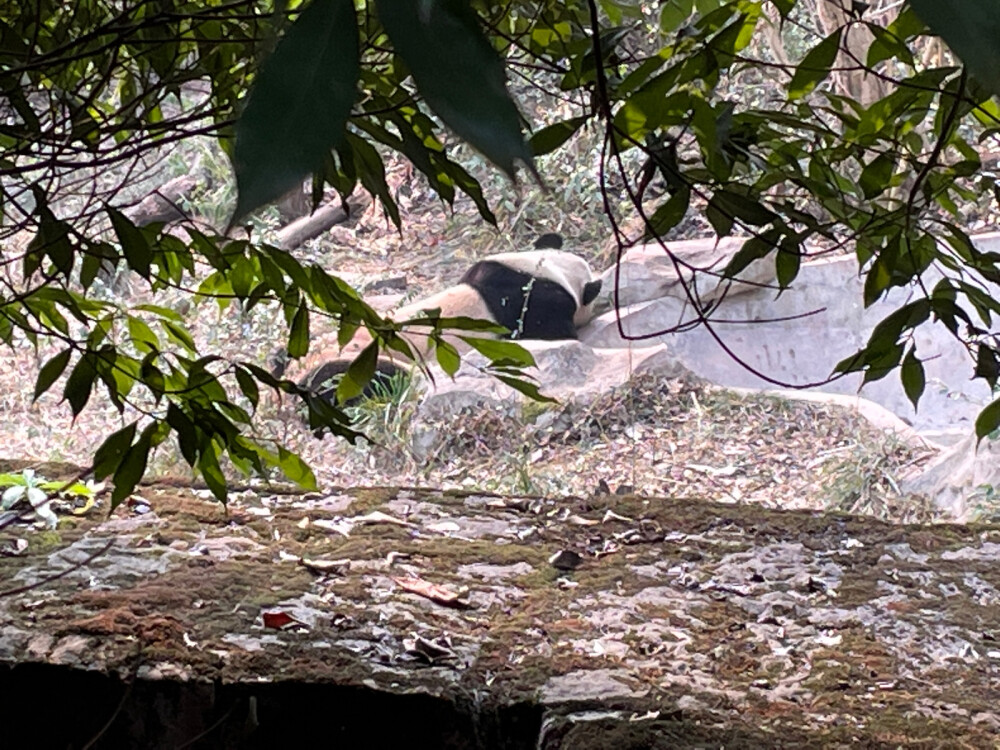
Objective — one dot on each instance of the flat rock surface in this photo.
(534, 622)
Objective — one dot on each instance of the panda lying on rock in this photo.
(540, 294)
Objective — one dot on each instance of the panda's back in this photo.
(530, 307)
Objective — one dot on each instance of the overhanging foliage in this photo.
(329, 87)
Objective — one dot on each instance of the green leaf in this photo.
(876, 175)
(498, 350)
(721, 221)
(971, 29)
(51, 371)
(371, 170)
(249, 455)
(447, 357)
(674, 13)
(462, 323)
(415, 148)
(142, 335)
(987, 364)
(742, 207)
(132, 467)
(907, 24)
(188, 436)
(10, 479)
(907, 317)
(99, 255)
(358, 374)
(109, 364)
(151, 376)
(77, 489)
(876, 281)
(248, 385)
(80, 383)
(753, 249)
(51, 241)
(526, 387)
(668, 214)
(298, 337)
(100, 331)
(880, 362)
(987, 421)
(885, 45)
(163, 312)
(211, 472)
(459, 74)
(296, 469)
(471, 187)
(234, 412)
(786, 266)
(179, 335)
(912, 375)
(815, 66)
(551, 137)
(299, 105)
(109, 455)
(323, 415)
(266, 377)
(135, 246)
(345, 332)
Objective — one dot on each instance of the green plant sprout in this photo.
(37, 492)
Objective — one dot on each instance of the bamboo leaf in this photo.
(298, 108)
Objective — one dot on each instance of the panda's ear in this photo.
(549, 241)
(590, 291)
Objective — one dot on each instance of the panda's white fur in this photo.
(455, 301)
(553, 290)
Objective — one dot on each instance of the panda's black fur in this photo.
(549, 241)
(323, 380)
(529, 307)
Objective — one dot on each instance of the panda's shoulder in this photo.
(494, 273)
(557, 265)
(460, 299)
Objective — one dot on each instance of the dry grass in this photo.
(654, 437)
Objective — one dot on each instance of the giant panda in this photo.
(540, 294)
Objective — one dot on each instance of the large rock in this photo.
(961, 478)
(572, 370)
(565, 370)
(796, 338)
(647, 272)
(387, 618)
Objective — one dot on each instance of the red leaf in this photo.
(279, 620)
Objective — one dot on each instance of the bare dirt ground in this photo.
(681, 439)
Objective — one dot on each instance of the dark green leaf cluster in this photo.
(332, 68)
(806, 166)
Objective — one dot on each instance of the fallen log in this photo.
(320, 220)
(163, 204)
